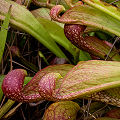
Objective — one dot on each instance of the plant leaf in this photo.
(12, 85)
(21, 18)
(91, 44)
(94, 79)
(105, 7)
(66, 110)
(3, 33)
(61, 69)
(44, 13)
(48, 85)
(89, 77)
(87, 15)
(84, 56)
(55, 29)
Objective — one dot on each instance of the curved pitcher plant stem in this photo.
(55, 14)
(74, 32)
(89, 16)
(95, 79)
(15, 89)
(30, 92)
(91, 44)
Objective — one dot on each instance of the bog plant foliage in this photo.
(93, 79)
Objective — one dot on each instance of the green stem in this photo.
(6, 107)
(12, 111)
(42, 56)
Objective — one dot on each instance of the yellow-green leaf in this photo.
(66, 110)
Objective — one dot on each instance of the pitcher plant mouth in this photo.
(89, 79)
(77, 19)
(38, 88)
(91, 44)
